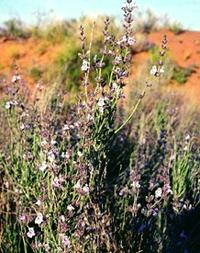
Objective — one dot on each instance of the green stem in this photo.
(131, 114)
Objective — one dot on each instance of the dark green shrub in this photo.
(181, 74)
(176, 28)
(14, 28)
(36, 73)
(67, 68)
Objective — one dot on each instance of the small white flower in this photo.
(80, 154)
(65, 127)
(22, 127)
(85, 66)
(162, 70)
(77, 185)
(108, 38)
(65, 240)
(58, 181)
(115, 86)
(86, 189)
(43, 166)
(15, 78)
(154, 70)
(90, 117)
(135, 185)
(39, 219)
(168, 189)
(53, 142)
(22, 218)
(62, 155)
(44, 143)
(51, 157)
(158, 193)
(124, 39)
(187, 137)
(101, 109)
(6, 184)
(172, 157)
(118, 59)
(62, 218)
(31, 232)
(8, 105)
(131, 41)
(70, 208)
(121, 193)
(17, 190)
(101, 102)
(65, 155)
(76, 124)
(38, 202)
(47, 247)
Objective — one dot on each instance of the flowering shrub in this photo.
(90, 180)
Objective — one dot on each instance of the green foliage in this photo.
(160, 118)
(176, 28)
(68, 67)
(181, 74)
(147, 22)
(14, 28)
(154, 54)
(36, 73)
(181, 174)
(56, 33)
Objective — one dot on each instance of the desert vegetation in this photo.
(89, 166)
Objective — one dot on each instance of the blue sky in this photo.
(185, 11)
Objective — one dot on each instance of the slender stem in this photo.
(132, 112)
(87, 74)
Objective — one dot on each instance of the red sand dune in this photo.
(185, 50)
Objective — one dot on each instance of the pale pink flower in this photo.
(43, 166)
(39, 219)
(158, 193)
(51, 157)
(86, 189)
(131, 41)
(65, 240)
(70, 208)
(154, 70)
(8, 105)
(85, 66)
(77, 185)
(135, 185)
(38, 202)
(57, 182)
(15, 78)
(66, 127)
(31, 232)
(162, 70)
(23, 218)
(101, 102)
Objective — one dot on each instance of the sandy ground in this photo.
(184, 49)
